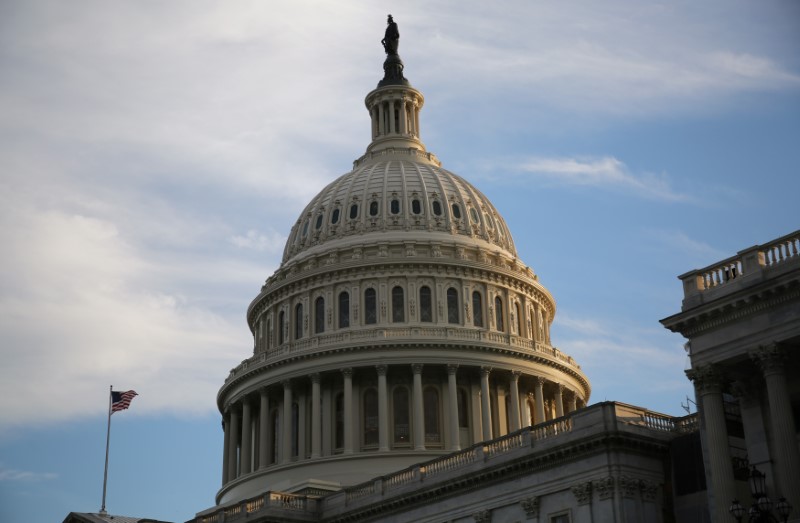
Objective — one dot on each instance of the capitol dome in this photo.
(400, 326)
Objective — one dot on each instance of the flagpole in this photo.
(108, 440)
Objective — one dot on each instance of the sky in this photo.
(154, 156)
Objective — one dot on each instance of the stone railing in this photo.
(745, 263)
(322, 342)
(251, 507)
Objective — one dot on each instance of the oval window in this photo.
(335, 216)
(437, 208)
(373, 208)
(456, 211)
(489, 221)
(305, 229)
(474, 215)
(416, 208)
(354, 211)
(319, 222)
(395, 206)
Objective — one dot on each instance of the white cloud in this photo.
(600, 172)
(14, 475)
(258, 241)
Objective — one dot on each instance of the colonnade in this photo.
(784, 454)
(393, 116)
(377, 408)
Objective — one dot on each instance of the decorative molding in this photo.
(582, 492)
(531, 506)
(484, 516)
(770, 358)
(707, 378)
(649, 490)
(628, 486)
(604, 487)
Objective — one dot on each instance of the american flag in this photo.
(121, 400)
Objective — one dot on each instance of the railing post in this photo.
(752, 260)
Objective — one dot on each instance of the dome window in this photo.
(477, 309)
(398, 305)
(489, 221)
(474, 215)
(373, 208)
(318, 224)
(437, 208)
(394, 207)
(335, 216)
(354, 211)
(305, 229)
(425, 304)
(456, 211)
(452, 306)
(416, 207)
(370, 307)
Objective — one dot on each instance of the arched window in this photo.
(519, 319)
(430, 399)
(437, 208)
(344, 309)
(456, 211)
(398, 305)
(425, 304)
(318, 223)
(354, 211)
(305, 229)
(335, 216)
(498, 313)
(452, 306)
(463, 409)
(338, 431)
(370, 307)
(281, 327)
(269, 334)
(395, 206)
(298, 321)
(532, 314)
(402, 429)
(319, 315)
(373, 208)
(416, 206)
(370, 417)
(477, 309)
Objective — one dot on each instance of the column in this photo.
(226, 443)
(559, 400)
(391, 117)
(573, 402)
(316, 418)
(302, 449)
(348, 410)
(247, 436)
(709, 386)
(538, 414)
(416, 119)
(327, 422)
(513, 386)
(786, 455)
(286, 436)
(233, 455)
(375, 121)
(383, 409)
(419, 416)
(403, 118)
(452, 394)
(486, 412)
(263, 430)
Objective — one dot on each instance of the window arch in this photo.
(344, 310)
(370, 417)
(398, 305)
(298, 321)
(425, 304)
(452, 306)
(281, 327)
(433, 431)
(401, 418)
(477, 309)
(370, 307)
(498, 313)
(319, 315)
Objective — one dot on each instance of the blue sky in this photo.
(153, 157)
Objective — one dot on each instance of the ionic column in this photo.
(786, 455)
(452, 393)
(226, 444)
(233, 455)
(419, 418)
(348, 410)
(287, 422)
(559, 400)
(709, 386)
(263, 430)
(316, 418)
(247, 436)
(538, 414)
(513, 386)
(403, 118)
(383, 409)
(486, 411)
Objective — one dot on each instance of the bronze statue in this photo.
(392, 37)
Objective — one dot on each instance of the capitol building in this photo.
(402, 369)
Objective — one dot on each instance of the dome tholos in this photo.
(399, 326)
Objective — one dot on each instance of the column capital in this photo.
(287, 384)
(560, 388)
(540, 381)
(771, 358)
(515, 375)
(416, 368)
(264, 391)
(707, 378)
(347, 372)
(452, 368)
(382, 369)
(485, 371)
(314, 377)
